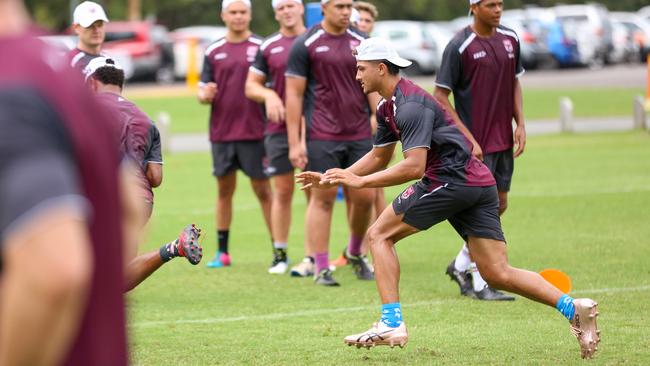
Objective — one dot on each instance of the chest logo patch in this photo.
(508, 46)
(321, 49)
(251, 51)
(277, 50)
(479, 54)
(220, 56)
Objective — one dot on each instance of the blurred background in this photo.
(151, 37)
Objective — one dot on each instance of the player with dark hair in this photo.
(88, 23)
(481, 66)
(265, 84)
(140, 143)
(61, 211)
(236, 123)
(452, 185)
(320, 84)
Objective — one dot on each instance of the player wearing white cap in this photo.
(265, 84)
(481, 66)
(452, 185)
(88, 23)
(236, 123)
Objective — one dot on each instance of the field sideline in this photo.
(188, 116)
(579, 203)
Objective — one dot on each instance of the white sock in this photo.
(279, 245)
(462, 259)
(478, 281)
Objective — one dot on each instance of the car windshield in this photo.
(119, 36)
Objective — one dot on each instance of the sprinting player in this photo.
(453, 185)
(368, 14)
(236, 123)
(320, 74)
(481, 66)
(140, 143)
(268, 69)
(61, 249)
(88, 23)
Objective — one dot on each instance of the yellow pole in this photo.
(192, 77)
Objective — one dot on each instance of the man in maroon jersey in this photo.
(140, 143)
(88, 23)
(61, 235)
(265, 84)
(452, 185)
(481, 66)
(236, 123)
(320, 85)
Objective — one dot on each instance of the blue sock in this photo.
(565, 306)
(391, 314)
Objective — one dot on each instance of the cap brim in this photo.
(88, 22)
(400, 62)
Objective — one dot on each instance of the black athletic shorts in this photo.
(324, 155)
(245, 155)
(277, 154)
(502, 166)
(472, 211)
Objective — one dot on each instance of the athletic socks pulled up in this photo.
(169, 251)
(322, 261)
(222, 239)
(391, 314)
(478, 282)
(565, 306)
(354, 245)
(463, 260)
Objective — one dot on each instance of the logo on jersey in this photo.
(508, 46)
(277, 50)
(220, 56)
(407, 193)
(354, 43)
(251, 51)
(479, 54)
(320, 49)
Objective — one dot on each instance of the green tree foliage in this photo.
(56, 14)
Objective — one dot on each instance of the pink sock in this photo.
(354, 245)
(322, 261)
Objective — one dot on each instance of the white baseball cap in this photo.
(226, 3)
(377, 49)
(97, 63)
(88, 12)
(472, 2)
(355, 17)
(276, 3)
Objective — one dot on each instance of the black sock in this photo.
(168, 251)
(223, 240)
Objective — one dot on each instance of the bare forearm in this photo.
(372, 162)
(294, 118)
(402, 172)
(255, 90)
(519, 104)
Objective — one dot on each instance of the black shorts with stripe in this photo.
(472, 211)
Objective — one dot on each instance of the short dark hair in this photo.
(392, 68)
(109, 75)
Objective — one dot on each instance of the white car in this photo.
(590, 26)
(411, 40)
(640, 29)
(203, 35)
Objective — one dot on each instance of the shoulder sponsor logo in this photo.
(220, 56)
(479, 54)
(251, 50)
(277, 50)
(321, 49)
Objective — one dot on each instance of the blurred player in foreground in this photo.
(453, 185)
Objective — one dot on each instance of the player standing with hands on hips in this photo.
(453, 185)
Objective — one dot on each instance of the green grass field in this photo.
(188, 116)
(579, 203)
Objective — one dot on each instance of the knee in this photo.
(498, 278)
(374, 236)
(283, 195)
(263, 192)
(225, 191)
(322, 204)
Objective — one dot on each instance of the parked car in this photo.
(590, 26)
(411, 40)
(644, 12)
(534, 51)
(625, 50)
(639, 28)
(148, 45)
(563, 47)
(65, 43)
(441, 34)
(204, 36)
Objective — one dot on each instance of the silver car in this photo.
(412, 41)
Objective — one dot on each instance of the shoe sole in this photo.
(590, 312)
(392, 343)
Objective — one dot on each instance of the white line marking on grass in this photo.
(275, 316)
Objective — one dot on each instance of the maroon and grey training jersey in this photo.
(415, 118)
(271, 62)
(233, 117)
(139, 137)
(335, 107)
(79, 59)
(481, 73)
(57, 147)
